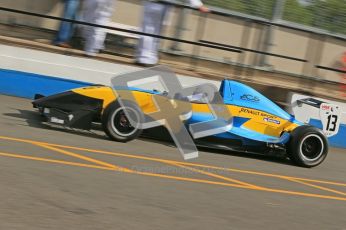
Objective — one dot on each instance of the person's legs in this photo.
(153, 17)
(66, 30)
(102, 13)
(103, 18)
(89, 12)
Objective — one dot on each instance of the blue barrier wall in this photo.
(26, 85)
(22, 84)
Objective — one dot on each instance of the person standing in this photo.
(96, 12)
(343, 79)
(154, 14)
(66, 28)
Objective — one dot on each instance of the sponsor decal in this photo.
(245, 110)
(326, 107)
(257, 113)
(56, 120)
(266, 119)
(249, 97)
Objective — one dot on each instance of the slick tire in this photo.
(308, 147)
(116, 124)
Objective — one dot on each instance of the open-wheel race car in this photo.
(258, 124)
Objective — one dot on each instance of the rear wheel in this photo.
(116, 123)
(308, 147)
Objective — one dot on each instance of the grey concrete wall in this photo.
(324, 51)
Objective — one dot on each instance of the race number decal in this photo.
(330, 118)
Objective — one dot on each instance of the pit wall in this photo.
(317, 49)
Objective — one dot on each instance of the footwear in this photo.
(63, 44)
(144, 64)
(90, 55)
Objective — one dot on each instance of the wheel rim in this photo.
(311, 147)
(121, 124)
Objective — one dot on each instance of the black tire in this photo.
(308, 147)
(116, 124)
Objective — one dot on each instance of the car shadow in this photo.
(257, 156)
(33, 119)
(160, 136)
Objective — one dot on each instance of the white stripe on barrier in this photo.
(68, 67)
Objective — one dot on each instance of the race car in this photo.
(258, 124)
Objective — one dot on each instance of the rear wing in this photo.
(310, 101)
(329, 114)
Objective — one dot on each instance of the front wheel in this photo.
(117, 125)
(308, 147)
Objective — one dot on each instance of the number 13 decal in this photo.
(330, 118)
(332, 121)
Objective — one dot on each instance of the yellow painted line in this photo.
(199, 165)
(115, 169)
(176, 178)
(20, 140)
(319, 187)
(301, 194)
(52, 160)
(273, 175)
(89, 150)
(244, 187)
(189, 179)
(173, 177)
(321, 182)
(172, 161)
(89, 159)
(216, 176)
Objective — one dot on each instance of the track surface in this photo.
(52, 178)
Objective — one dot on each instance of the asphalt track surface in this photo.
(53, 178)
